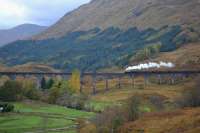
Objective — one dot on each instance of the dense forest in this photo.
(96, 49)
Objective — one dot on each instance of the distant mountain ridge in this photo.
(20, 32)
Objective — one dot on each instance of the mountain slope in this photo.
(125, 14)
(106, 33)
(19, 32)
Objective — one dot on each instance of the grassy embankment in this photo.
(39, 117)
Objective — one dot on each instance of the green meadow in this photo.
(39, 117)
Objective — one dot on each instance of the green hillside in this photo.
(94, 49)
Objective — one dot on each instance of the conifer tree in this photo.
(43, 83)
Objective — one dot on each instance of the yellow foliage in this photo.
(74, 81)
(3, 79)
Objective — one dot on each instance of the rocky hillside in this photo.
(19, 32)
(125, 14)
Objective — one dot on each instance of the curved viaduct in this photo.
(106, 76)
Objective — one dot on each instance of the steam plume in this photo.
(151, 65)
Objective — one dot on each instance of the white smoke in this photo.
(151, 65)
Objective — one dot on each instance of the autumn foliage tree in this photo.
(74, 81)
(65, 88)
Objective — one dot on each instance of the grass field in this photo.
(34, 117)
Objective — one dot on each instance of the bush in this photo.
(43, 83)
(49, 83)
(46, 84)
(58, 89)
(132, 108)
(6, 107)
(157, 101)
(75, 101)
(54, 94)
(85, 126)
(32, 93)
(66, 93)
(17, 90)
(11, 91)
(190, 97)
(110, 119)
(30, 90)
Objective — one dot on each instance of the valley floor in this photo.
(36, 117)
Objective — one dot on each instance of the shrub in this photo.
(30, 90)
(76, 101)
(110, 119)
(54, 94)
(66, 92)
(32, 93)
(132, 108)
(6, 107)
(46, 84)
(85, 127)
(17, 90)
(11, 91)
(190, 97)
(43, 83)
(49, 83)
(59, 89)
(157, 101)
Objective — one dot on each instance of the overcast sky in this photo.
(42, 12)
